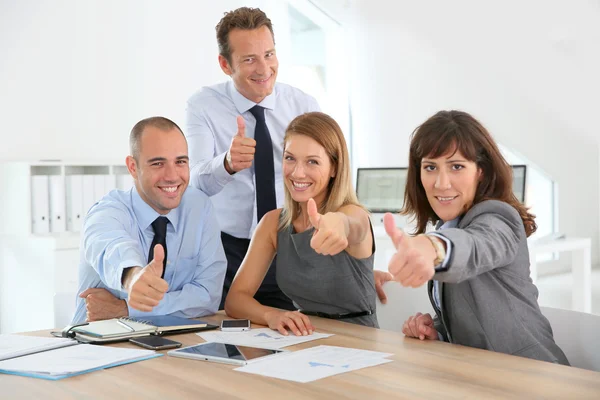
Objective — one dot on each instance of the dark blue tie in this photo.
(160, 237)
(264, 169)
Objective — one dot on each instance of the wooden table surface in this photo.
(425, 370)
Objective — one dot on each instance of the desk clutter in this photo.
(302, 366)
(316, 363)
(120, 329)
(57, 358)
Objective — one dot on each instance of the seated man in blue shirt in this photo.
(125, 268)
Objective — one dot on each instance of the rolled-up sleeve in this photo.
(207, 169)
(108, 245)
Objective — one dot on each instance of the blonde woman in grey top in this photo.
(322, 238)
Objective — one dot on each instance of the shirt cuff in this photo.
(443, 266)
(222, 177)
(117, 284)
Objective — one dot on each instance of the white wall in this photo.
(77, 75)
(412, 59)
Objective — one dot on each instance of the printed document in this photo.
(316, 363)
(18, 345)
(72, 360)
(262, 337)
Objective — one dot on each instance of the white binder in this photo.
(87, 193)
(124, 181)
(99, 187)
(40, 207)
(58, 221)
(110, 183)
(75, 212)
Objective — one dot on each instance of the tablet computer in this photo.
(225, 353)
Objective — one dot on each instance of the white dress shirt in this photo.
(210, 126)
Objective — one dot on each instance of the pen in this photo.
(123, 324)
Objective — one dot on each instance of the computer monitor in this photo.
(381, 190)
(519, 180)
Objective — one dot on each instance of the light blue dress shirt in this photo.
(117, 234)
(210, 126)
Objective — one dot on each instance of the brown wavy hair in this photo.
(452, 131)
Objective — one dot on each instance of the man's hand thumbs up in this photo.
(156, 266)
(241, 132)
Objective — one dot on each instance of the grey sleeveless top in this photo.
(329, 284)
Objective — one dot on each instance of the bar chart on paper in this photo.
(263, 337)
(316, 363)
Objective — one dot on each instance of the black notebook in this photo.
(118, 329)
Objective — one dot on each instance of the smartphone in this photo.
(153, 342)
(235, 325)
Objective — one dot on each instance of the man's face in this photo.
(162, 170)
(254, 64)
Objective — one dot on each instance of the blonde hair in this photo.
(324, 130)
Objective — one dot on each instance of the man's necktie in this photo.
(264, 169)
(160, 237)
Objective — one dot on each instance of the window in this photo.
(541, 195)
(316, 60)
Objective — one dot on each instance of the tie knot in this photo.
(160, 226)
(258, 112)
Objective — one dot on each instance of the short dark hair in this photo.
(135, 136)
(246, 18)
(451, 131)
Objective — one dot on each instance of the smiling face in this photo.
(450, 183)
(161, 172)
(307, 169)
(254, 64)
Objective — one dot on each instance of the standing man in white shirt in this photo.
(235, 132)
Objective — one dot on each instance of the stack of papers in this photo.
(316, 363)
(73, 360)
(262, 337)
(15, 345)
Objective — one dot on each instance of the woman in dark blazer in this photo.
(476, 263)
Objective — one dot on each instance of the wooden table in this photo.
(426, 370)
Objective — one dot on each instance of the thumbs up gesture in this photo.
(146, 287)
(241, 151)
(412, 265)
(331, 230)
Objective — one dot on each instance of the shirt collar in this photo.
(450, 224)
(242, 104)
(146, 214)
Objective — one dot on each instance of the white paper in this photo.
(16, 345)
(73, 359)
(262, 337)
(316, 363)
